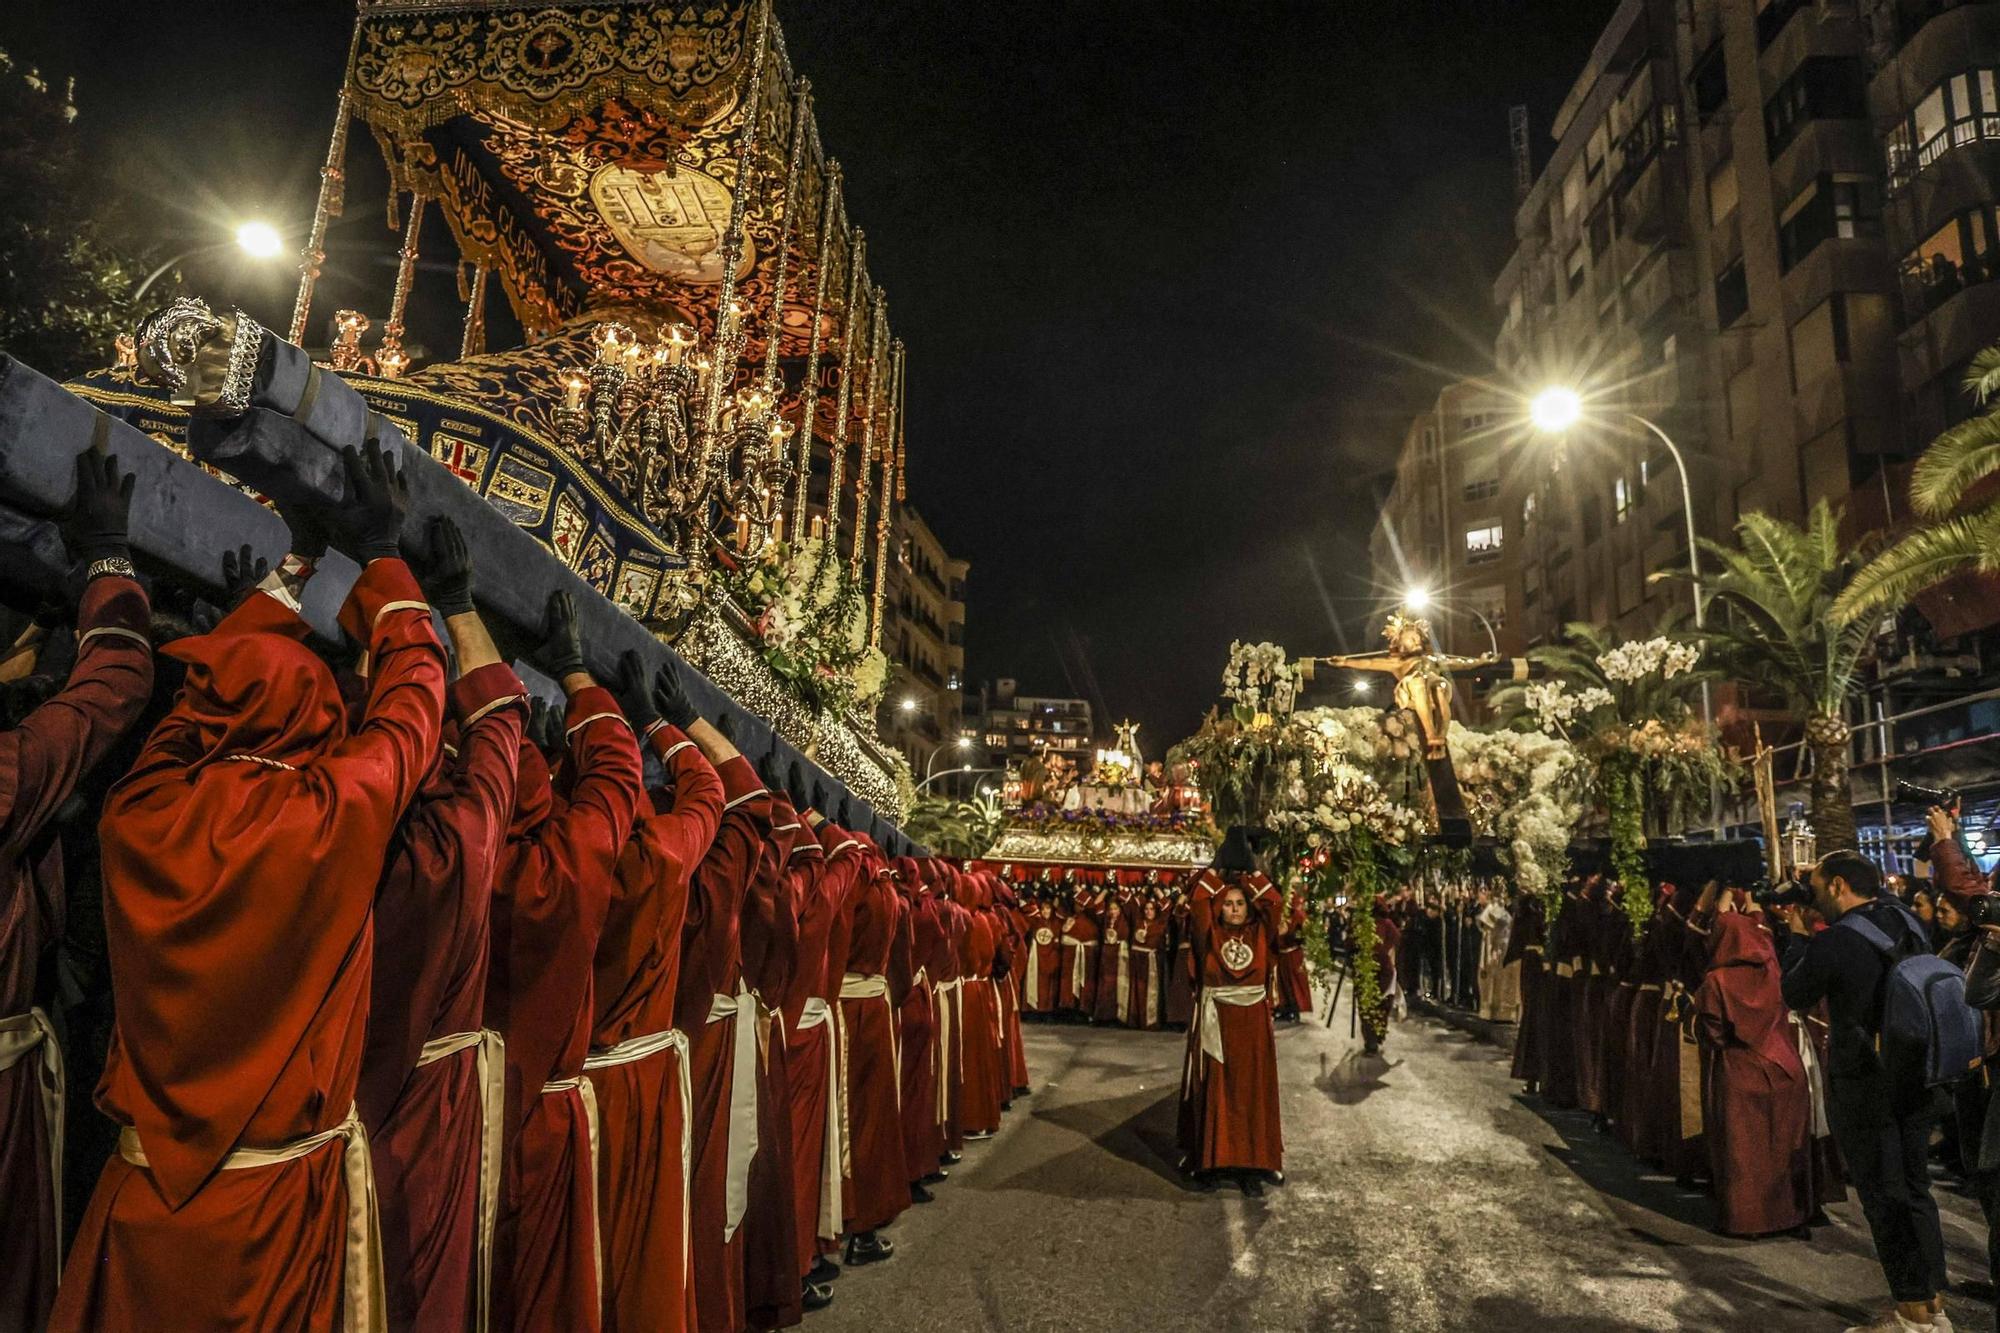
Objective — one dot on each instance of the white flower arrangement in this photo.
(1258, 678)
(1525, 787)
(1555, 706)
(1640, 658)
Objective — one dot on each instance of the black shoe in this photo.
(1273, 1177)
(816, 1298)
(918, 1194)
(867, 1247)
(824, 1270)
(979, 1134)
(952, 1158)
(1253, 1188)
(937, 1177)
(1202, 1182)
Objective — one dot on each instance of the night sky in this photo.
(1173, 278)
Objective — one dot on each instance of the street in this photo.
(1424, 1193)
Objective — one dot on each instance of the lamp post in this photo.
(968, 768)
(258, 240)
(1417, 598)
(963, 744)
(1554, 411)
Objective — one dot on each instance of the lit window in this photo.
(1621, 500)
(1528, 510)
(1482, 544)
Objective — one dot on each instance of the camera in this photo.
(1983, 909)
(1785, 893)
(1940, 796)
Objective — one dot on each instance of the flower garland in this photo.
(809, 616)
(1525, 788)
(1623, 782)
(1258, 679)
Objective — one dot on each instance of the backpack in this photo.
(1926, 1023)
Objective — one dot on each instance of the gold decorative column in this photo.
(801, 113)
(880, 328)
(851, 317)
(728, 320)
(390, 359)
(892, 469)
(809, 391)
(473, 341)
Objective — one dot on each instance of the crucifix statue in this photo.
(1423, 677)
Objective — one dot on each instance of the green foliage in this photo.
(1955, 463)
(65, 292)
(1623, 784)
(1777, 591)
(951, 827)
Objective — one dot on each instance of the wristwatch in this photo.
(111, 564)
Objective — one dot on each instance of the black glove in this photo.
(773, 775)
(368, 524)
(446, 572)
(308, 533)
(670, 696)
(561, 651)
(819, 799)
(726, 724)
(545, 727)
(93, 527)
(634, 700)
(242, 571)
(795, 783)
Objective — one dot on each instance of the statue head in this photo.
(1407, 635)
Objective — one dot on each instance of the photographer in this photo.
(1966, 904)
(1881, 1112)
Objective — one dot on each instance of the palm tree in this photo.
(952, 827)
(1956, 462)
(1776, 592)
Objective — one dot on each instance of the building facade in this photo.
(1766, 227)
(1011, 727)
(923, 632)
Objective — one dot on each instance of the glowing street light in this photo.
(908, 705)
(965, 742)
(1556, 409)
(259, 239)
(1417, 597)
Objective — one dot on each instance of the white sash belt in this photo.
(1210, 1022)
(491, 1071)
(818, 1013)
(21, 1035)
(1815, 1078)
(363, 1307)
(1079, 970)
(1152, 980)
(1124, 983)
(949, 1041)
(1031, 987)
(742, 1007)
(863, 986)
(588, 1095)
(631, 1051)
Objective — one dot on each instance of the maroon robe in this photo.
(819, 882)
(240, 859)
(1077, 982)
(1015, 953)
(923, 1032)
(1294, 986)
(426, 1119)
(642, 1125)
(1527, 944)
(771, 1264)
(1045, 961)
(1114, 917)
(551, 896)
(878, 1190)
(1229, 1103)
(41, 762)
(1149, 964)
(1180, 967)
(1758, 1109)
(711, 975)
(985, 1076)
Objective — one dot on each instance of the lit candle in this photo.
(679, 339)
(573, 386)
(742, 532)
(818, 527)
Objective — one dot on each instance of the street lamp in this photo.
(908, 705)
(256, 239)
(963, 743)
(951, 772)
(1555, 410)
(1418, 598)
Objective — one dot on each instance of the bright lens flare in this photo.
(1556, 410)
(259, 240)
(1416, 599)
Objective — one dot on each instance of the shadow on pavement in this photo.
(1602, 1162)
(1350, 1080)
(1139, 1127)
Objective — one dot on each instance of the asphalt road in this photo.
(1424, 1193)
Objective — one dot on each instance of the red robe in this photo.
(711, 976)
(1294, 987)
(877, 1189)
(1078, 979)
(1113, 915)
(827, 869)
(1180, 970)
(1014, 950)
(1229, 1104)
(957, 919)
(551, 895)
(923, 1032)
(426, 1120)
(985, 1074)
(1148, 965)
(41, 762)
(642, 1125)
(1758, 1114)
(1041, 980)
(240, 860)
(770, 931)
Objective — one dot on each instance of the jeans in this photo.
(1886, 1146)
